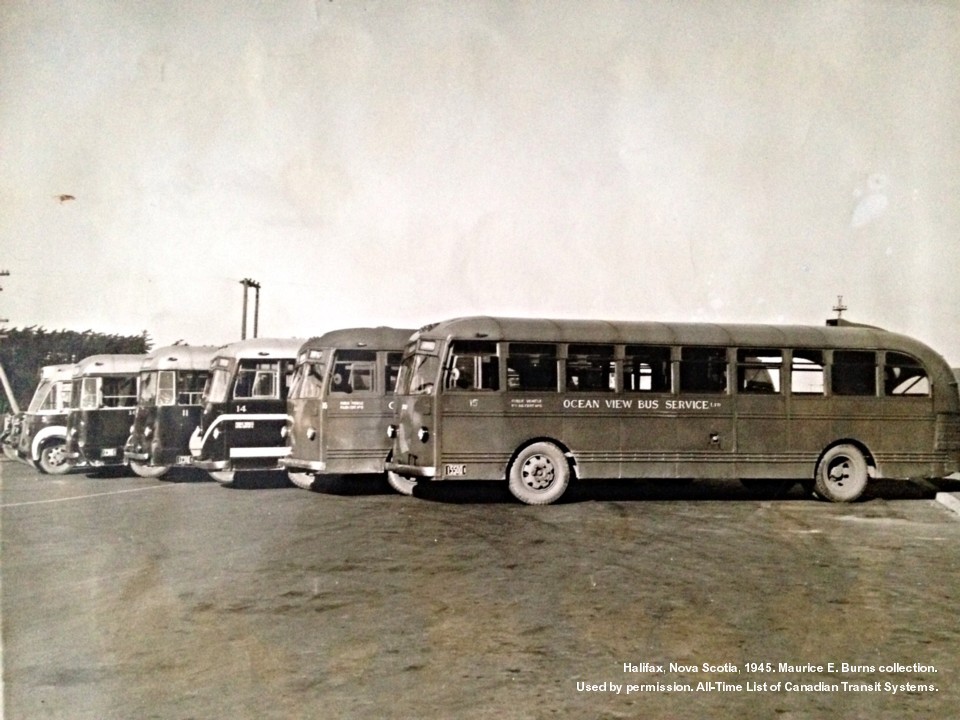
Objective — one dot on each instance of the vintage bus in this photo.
(341, 403)
(536, 402)
(172, 379)
(103, 402)
(40, 432)
(245, 408)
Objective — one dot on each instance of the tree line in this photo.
(24, 351)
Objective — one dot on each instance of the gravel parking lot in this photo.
(132, 598)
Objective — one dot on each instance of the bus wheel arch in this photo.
(539, 471)
(51, 458)
(843, 470)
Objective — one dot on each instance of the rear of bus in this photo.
(42, 428)
(168, 410)
(342, 401)
(103, 404)
(245, 408)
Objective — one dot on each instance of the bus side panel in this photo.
(477, 439)
(591, 430)
(648, 437)
(907, 446)
(355, 433)
(762, 431)
(810, 430)
(705, 436)
(304, 414)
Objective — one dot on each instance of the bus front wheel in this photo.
(402, 485)
(53, 458)
(148, 471)
(304, 481)
(842, 474)
(540, 474)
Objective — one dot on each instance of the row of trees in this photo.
(24, 351)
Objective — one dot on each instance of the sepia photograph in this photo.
(515, 359)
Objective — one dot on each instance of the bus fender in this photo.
(571, 459)
(51, 431)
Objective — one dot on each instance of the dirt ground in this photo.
(180, 598)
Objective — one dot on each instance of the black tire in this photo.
(302, 480)
(841, 474)
(52, 460)
(401, 484)
(540, 474)
(148, 471)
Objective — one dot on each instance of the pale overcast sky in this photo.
(400, 162)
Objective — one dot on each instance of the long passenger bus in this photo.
(41, 430)
(103, 403)
(538, 402)
(172, 379)
(245, 408)
(341, 403)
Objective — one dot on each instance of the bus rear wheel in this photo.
(402, 485)
(53, 458)
(304, 481)
(539, 474)
(841, 474)
(148, 471)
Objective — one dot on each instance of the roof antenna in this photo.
(839, 307)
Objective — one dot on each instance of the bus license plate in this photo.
(183, 459)
(108, 452)
(454, 470)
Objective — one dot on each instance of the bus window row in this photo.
(540, 367)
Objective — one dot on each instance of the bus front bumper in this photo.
(410, 470)
(298, 465)
(209, 465)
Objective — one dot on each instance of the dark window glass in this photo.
(393, 370)
(854, 372)
(590, 368)
(532, 366)
(703, 370)
(646, 369)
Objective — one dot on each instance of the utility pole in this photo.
(247, 284)
(3, 373)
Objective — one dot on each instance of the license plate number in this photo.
(454, 470)
(108, 452)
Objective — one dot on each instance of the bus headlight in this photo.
(423, 434)
(311, 433)
(284, 431)
(147, 431)
(391, 431)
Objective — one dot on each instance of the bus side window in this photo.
(590, 368)
(190, 387)
(703, 370)
(806, 372)
(904, 375)
(534, 366)
(354, 371)
(758, 371)
(473, 366)
(392, 370)
(854, 372)
(646, 369)
(166, 387)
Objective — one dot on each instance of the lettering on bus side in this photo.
(630, 404)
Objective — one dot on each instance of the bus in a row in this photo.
(172, 380)
(38, 435)
(341, 402)
(103, 402)
(538, 403)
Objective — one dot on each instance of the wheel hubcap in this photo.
(839, 472)
(538, 472)
(55, 456)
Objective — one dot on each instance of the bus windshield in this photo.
(219, 385)
(148, 388)
(308, 380)
(418, 375)
(42, 398)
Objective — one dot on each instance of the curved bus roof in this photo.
(834, 334)
(108, 365)
(281, 348)
(383, 338)
(180, 357)
(57, 372)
